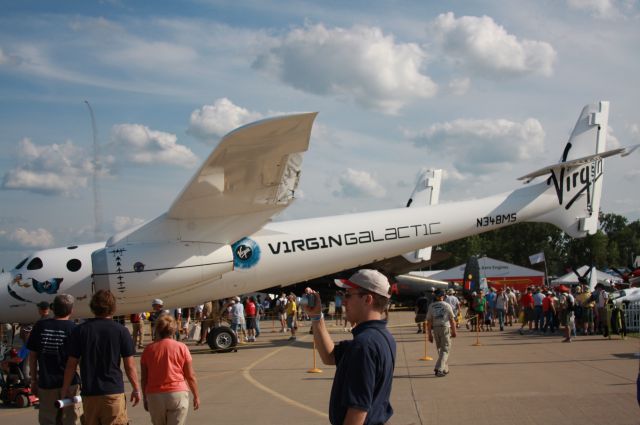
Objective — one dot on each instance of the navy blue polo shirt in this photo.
(364, 373)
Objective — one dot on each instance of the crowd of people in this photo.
(544, 310)
(58, 347)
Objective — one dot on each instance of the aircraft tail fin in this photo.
(426, 192)
(577, 178)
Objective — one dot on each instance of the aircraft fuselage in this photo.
(281, 253)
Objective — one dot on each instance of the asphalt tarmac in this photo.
(509, 379)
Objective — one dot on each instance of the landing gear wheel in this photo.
(21, 400)
(222, 339)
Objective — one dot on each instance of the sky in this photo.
(486, 90)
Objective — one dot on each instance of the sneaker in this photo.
(566, 340)
(440, 374)
(292, 338)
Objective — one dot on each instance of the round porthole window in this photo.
(74, 265)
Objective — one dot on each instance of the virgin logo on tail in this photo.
(578, 181)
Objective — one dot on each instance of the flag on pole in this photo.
(537, 258)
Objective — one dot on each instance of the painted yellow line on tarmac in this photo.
(246, 373)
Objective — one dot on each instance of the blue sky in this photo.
(487, 91)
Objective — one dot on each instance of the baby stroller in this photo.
(15, 388)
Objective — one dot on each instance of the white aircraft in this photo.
(217, 240)
(630, 295)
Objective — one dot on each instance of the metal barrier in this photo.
(632, 315)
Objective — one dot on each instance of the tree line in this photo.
(615, 244)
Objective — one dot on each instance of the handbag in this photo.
(194, 332)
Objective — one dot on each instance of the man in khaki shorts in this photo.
(47, 360)
(97, 345)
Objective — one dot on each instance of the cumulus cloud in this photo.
(358, 184)
(482, 146)
(141, 145)
(612, 141)
(211, 122)
(361, 64)
(23, 238)
(485, 47)
(121, 223)
(50, 169)
(597, 8)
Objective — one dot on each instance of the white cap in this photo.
(157, 301)
(370, 280)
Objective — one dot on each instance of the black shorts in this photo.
(251, 322)
(421, 318)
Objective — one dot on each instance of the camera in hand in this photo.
(308, 300)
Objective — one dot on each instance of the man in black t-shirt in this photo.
(47, 360)
(98, 345)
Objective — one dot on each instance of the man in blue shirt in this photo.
(97, 346)
(364, 366)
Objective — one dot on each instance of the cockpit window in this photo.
(74, 265)
(21, 263)
(35, 264)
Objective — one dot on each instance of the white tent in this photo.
(572, 279)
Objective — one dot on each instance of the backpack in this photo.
(571, 305)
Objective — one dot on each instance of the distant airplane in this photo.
(216, 239)
(629, 295)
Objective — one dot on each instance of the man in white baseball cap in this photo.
(156, 312)
(370, 280)
(364, 365)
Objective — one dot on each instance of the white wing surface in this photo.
(250, 176)
(575, 162)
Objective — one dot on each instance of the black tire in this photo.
(222, 339)
(22, 400)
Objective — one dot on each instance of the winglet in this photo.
(426, 192)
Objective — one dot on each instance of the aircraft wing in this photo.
(576, 162)
(250, 176)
